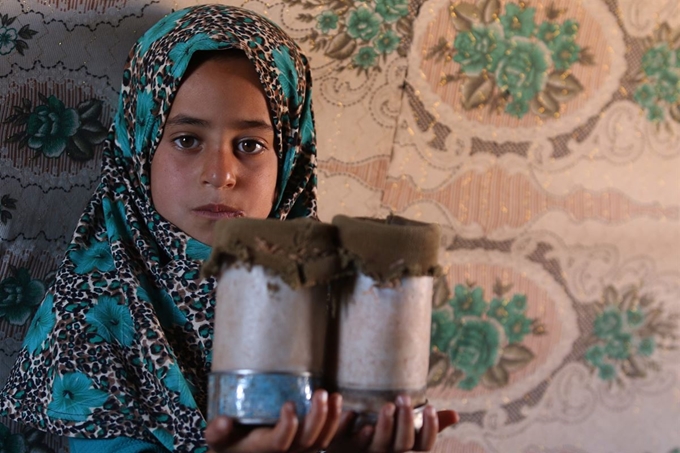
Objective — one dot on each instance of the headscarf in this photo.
(121, 345)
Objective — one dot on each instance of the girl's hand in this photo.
(394, 431)
(288, 435)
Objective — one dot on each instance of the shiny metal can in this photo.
(255, 398)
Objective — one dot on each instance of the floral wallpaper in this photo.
(543, 136)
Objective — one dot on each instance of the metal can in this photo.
(271, 316)
(382, 314)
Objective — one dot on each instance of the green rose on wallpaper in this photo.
(657, 80)
(658, 59)
(516, 328)
(510, 314)
(50, 126)
(12, 39)
(327, 21)
(391, 10)
(443, 330)
(480, 48)
(386, 42)
(517, 107)
(357, 35)
(475, 342)
(468, 302)
(475, 351)
(518, 21)
(523, 70)
(565, 54)
(550, 33)
(363, 24)
(8, 38)
(510, 64)
(19, 296)
(366, 57)
(668, 86)
(28, 441)
(655, 113)
(559, 38)
(608, 323)
(627, 331)
(6, 203)
(645, 95)
(52, 129)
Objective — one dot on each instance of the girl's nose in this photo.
(219, 169)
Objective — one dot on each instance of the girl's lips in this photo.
(218, 211)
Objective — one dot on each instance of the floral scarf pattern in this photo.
(121, 345)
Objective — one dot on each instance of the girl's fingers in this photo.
(332, 421)
(347, 419)
(405, 431)
(325, 420)
(314, 421)
(427, 435)
(283, 434)
(223, 433)
(447, 418)
(364, 438)
(384, 429)
(218, 432)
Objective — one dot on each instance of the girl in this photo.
(214, 121)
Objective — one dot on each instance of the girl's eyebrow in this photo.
(254, 124)
(184, 120)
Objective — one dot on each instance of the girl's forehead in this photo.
(223, 89)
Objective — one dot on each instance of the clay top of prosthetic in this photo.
(303, 252)
(389, 249)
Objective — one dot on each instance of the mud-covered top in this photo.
(389, 249)
(303, 252)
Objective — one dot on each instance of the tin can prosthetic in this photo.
(383, 314)
(270, 316)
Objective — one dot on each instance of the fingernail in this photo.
(404, 401)
(323, 396)
(430, 411)
(389, 410)
(221, 424)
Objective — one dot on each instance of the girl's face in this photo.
(216, 158)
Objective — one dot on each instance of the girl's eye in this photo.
(250, 146)
(186, 142)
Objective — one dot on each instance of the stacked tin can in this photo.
(383, 313)
(280, 334)
(270, 317)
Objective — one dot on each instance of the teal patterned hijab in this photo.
(121, 345)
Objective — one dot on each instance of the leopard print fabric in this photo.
(121, 345)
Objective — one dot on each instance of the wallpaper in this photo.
(543, 136)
